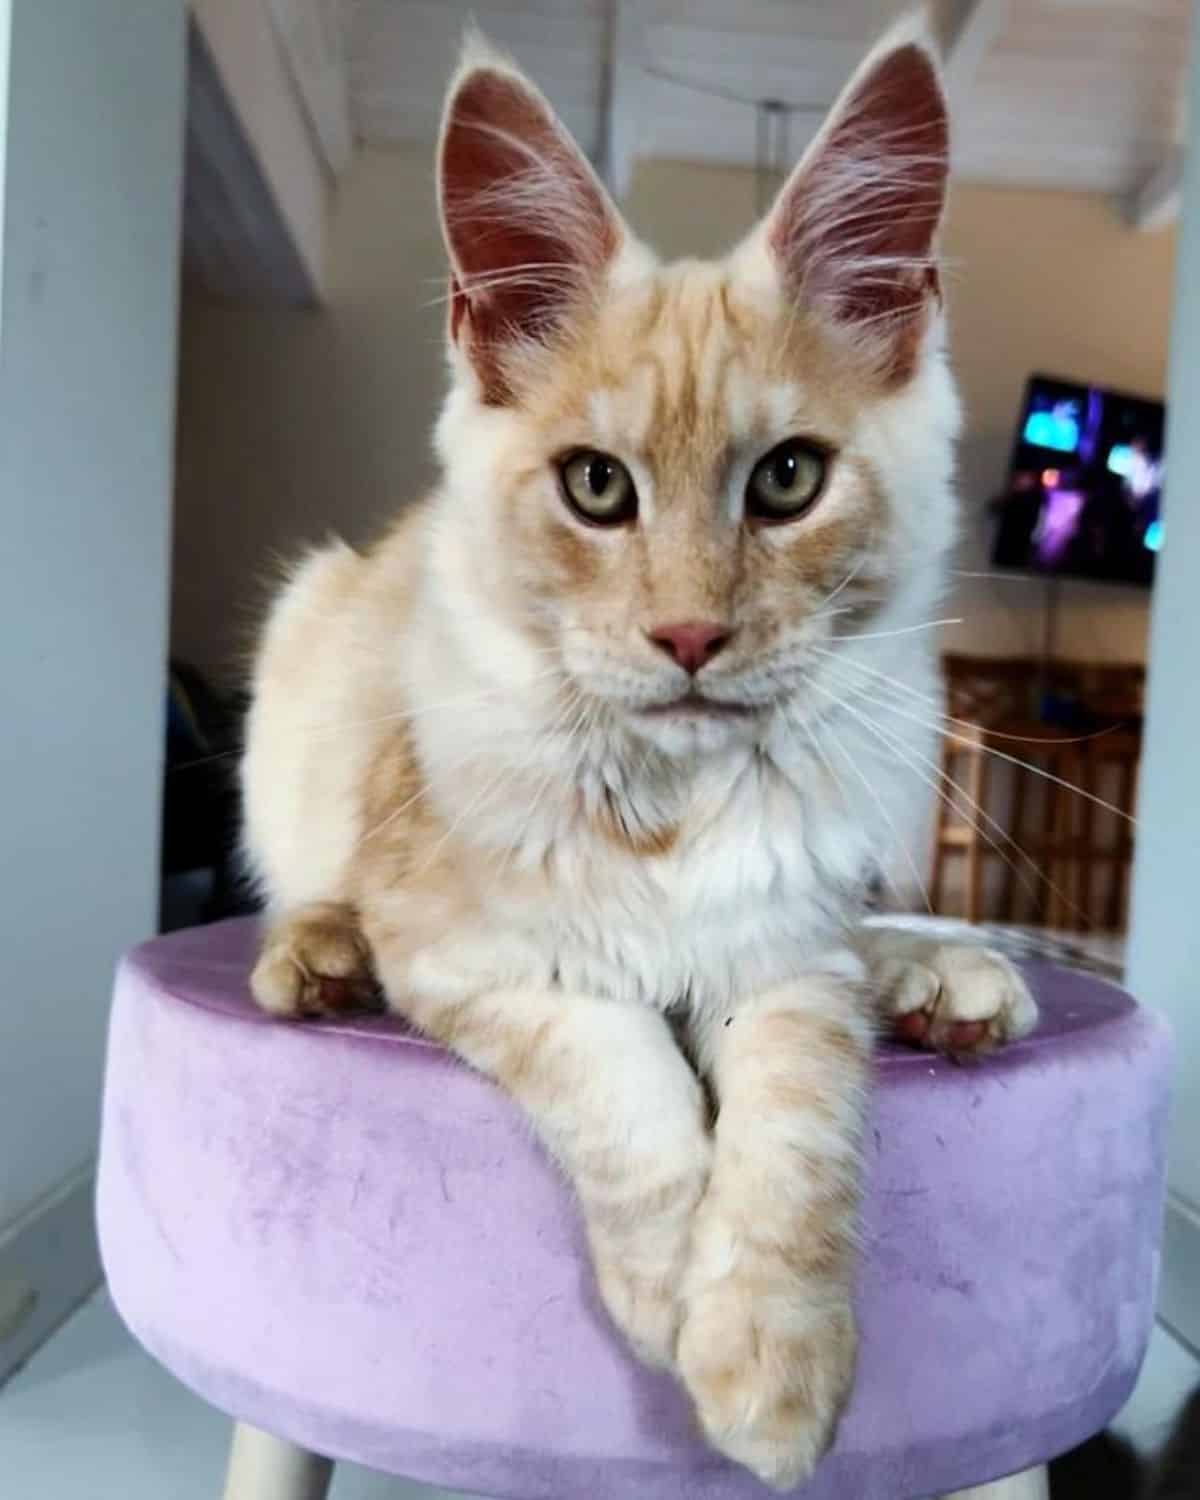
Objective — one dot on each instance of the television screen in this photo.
(1084, 494)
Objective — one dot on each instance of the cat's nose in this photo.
(693, 644)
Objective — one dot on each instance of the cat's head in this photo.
(686, 482)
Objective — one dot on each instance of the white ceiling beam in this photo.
(968, 29)
(237, 240)
(312, 37)
(1154, 203)
(624, 92)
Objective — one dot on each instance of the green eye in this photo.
(598, 488)
(786, 482)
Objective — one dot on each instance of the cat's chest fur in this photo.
(754, 883)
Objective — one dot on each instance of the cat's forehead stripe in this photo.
(782, 401)
(740, 401)
(602, 416)
(680, 372)
(725, 399)
(622, 412)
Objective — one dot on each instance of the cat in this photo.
(573, 762)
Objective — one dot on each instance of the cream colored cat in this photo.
(575, 760)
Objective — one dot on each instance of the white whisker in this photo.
(886, 815)
(905, 755)
(886, 635)
(999, 577)
(845, 583)
(888, 682)
(1013, 760)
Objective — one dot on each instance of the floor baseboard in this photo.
(49, 1264)
(1179, 1288)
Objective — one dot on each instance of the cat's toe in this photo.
(314, 963)
(956, 999)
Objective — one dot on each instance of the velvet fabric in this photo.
(342, 1235)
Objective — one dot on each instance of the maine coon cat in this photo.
(571, 759)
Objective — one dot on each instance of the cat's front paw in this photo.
(955, 998)
(640, 1229)
(768, 1390)
(643, 1302)
(314, 962)
(640, 1245)
(767, 1357)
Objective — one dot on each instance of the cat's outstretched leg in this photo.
(767, 1341)
(948, 997)
(314, 961)
(610, 1096)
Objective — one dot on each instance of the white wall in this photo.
(5, 32)
(1164, 959)
(88, 277)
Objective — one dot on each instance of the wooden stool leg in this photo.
(262, 1467)
(1033, 1484)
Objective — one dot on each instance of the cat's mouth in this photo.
(697, 704)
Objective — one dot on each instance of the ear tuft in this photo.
(854, 229)
(477, 50)
(528, 227)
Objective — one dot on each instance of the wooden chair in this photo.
(980, 692)
(1065, 858)
(1083, 849)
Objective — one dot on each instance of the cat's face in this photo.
(687, 483)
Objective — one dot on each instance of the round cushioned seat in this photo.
(341, 1235)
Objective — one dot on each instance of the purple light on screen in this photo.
(1057, 525)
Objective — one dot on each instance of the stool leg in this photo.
(262, 1467)
(1033, 1484)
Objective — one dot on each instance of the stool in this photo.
(342, 1237)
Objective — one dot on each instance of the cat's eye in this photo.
(786, 482)
(598, 488)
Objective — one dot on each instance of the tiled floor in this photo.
(93, 1418)
(1168, 1377)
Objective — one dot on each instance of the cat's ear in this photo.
(528, 226)
(854, 230)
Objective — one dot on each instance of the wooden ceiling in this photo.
(1079, 94)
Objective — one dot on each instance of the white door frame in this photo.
(91, 129)
(1164, 952)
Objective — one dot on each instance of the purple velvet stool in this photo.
(345, 1239)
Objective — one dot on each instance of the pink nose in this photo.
(692, 644)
